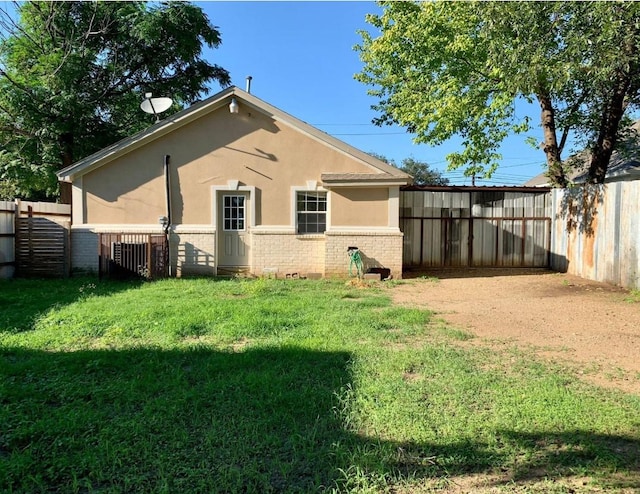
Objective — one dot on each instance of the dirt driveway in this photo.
(562, 318)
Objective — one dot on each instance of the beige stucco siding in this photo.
(250, 147)
(359, 207)
(129, 191)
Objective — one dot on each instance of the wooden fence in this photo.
(34, 239)
(133, 255)
(7, 239)
(596, 233)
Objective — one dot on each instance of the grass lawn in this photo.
(202, 385)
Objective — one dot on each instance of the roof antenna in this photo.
(249, 84)
(153, 106)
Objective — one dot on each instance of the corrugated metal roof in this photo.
(475, 188)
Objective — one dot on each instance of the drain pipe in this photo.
(167, 226)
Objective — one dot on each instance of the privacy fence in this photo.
(592, 232)
(34, 239)
(596, 232)
(475, 227)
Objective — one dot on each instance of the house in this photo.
(255, 190)
(623, 166)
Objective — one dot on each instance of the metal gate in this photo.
(475, 226)
(132, 255)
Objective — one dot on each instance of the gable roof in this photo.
(623, 165)
(379, 169)
(619, 169)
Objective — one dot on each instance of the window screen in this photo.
(311, 209)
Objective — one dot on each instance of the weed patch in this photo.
(633, 297)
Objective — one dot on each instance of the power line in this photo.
(343, 124)
(371, 134)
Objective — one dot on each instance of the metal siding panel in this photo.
(464, 242)
(540, 240)
(529, 205)
(428, 204)
(490, 237)
(416, 243)
(416, 204)
(529, 244)
(465, 204)
(436, 246)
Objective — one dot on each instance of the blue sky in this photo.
(301, 58)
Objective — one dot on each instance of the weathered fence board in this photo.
(7, 239)
(596, 233)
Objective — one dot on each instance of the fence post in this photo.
(16, 236)
(149, 264)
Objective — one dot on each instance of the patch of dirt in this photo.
(559, 317)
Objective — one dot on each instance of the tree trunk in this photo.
(612, 113)
(64, 192)
(550, 144)
(66, 156)
(66, 149)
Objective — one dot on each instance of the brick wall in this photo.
(84, 251)
(377, 249)
(193, 253)
(287, 253)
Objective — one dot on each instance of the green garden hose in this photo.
(356, 261)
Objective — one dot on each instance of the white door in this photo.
(233, 244)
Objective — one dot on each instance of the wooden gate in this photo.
(475, 226)
(42, 248)
(133, 255)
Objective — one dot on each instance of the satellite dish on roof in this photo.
(153, 106)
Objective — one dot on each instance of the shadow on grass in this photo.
(572, 450)
(24, 300)
(268, 420)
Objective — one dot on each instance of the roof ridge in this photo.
(201, 108)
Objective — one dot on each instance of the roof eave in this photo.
(201, 108)
(128, 144)
(358, 182)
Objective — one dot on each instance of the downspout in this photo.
(167, 226)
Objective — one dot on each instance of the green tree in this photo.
(72, 76)
(458, 68)
(421, 172)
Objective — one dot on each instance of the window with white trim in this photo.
(311, 212)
